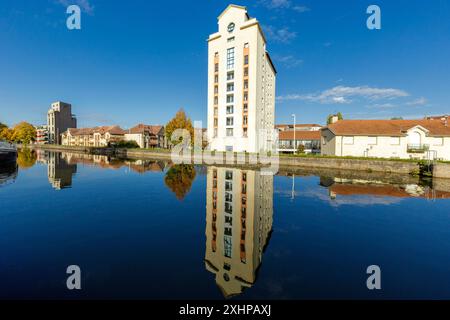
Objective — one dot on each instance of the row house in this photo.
(93, 137)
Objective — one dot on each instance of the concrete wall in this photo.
(328, 143)
(441, 170)
(351, 164)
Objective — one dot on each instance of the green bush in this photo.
(126, 145)
(301, 149)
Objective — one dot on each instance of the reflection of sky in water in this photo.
(133, 238)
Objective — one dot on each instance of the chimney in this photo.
(334, 119)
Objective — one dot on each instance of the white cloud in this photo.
(342, 95)
(275, 4)
(84, 5)
(301, 9)
(284, 4)
(288, 61)
(418, 102)
(283, 35)
(382, 106)
(339, 100)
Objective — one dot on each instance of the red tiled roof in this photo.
(438, 117)
(302, 125)
(299, 135)
(387, 127)
(116, 130)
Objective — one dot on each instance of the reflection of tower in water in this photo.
(238, 225)
(59, 171)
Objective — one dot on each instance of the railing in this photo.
(418, 148)
(306, 145)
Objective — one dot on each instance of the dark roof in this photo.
(299, 135)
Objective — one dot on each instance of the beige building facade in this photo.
(239, 216)
(241, 85)
(404, 139)
(93, 137)
(147, 136)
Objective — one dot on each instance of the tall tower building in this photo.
(59, 119)
(239, 216)
(241, 85)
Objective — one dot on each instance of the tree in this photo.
(3, 126)
(24, 133)
(339, 115)
(179, 179)
(6, 134)
(180, 121)
(397, 118)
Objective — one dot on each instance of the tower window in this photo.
(230, 58)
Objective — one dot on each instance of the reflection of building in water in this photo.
(60, 171)
(139, 166)
(62, 166)
(238, 224)
(41, 156)
(354, 187)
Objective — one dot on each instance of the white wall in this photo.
(383, 146)
(137, 137)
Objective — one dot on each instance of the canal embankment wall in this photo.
(440, 170)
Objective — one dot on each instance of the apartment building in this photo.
(93, 137)
(147, 136)
(291, 137)
(41, 134)
(404, 139)
(59, 119)
(239, 216)
(241, 85)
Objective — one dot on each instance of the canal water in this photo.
(153, 230)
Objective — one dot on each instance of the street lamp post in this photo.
(295, 124)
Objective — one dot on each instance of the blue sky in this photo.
(140, 61)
